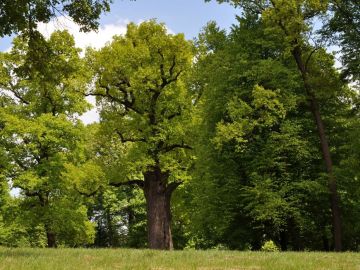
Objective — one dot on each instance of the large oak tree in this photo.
(145, 105)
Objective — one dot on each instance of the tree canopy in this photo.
(238, 139)
(19, 15)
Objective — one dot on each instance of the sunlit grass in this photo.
(92, 259)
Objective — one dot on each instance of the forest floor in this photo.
(96, 259)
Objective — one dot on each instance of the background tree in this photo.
(342, 28)
(295, 21)
(257, 140)
(145, 106)
(41, 134)
(119, 212)
(22, 16)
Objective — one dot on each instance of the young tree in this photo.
(145, 107)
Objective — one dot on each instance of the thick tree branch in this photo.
(124, 140)
(128, 104)
(171, 187)
(18, 96)
(139, 183)
(86, 194)
(171, 70)
(14, 92)
(171, 147)
(32, 193)
(27, 191)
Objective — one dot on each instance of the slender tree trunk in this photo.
(315, 110)
(158, 198)
(110, 231)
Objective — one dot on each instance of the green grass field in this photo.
(92, 259)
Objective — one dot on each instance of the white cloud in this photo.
(93, 39)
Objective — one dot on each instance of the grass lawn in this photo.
(92, 259)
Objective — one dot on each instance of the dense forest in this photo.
(238, 139)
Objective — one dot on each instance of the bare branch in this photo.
(309, 57)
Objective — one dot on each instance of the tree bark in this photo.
(158, 195)
(51, 237)
(315, 110)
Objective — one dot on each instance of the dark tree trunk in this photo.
(110, 230)
(283, 240)
(51, 237)
(295, 235)
(326, 246)
(158, 194)
(315, 110)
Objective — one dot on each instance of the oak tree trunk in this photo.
(158, 197)
(51, 237)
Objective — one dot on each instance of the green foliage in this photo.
(258, 165)
(42, 138)
(269, 246)
(144, 99)
(19, 16)
(228, 118)
(120, 217)
(343, 29)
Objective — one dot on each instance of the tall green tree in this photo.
(41, 134)
(250, 138)
(145, 106)
(294, 19)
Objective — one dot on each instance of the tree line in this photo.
(227, 141)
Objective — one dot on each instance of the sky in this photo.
(179, 16)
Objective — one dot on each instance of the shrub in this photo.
(269, 246)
